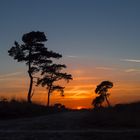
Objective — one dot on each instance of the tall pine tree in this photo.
(33, 53)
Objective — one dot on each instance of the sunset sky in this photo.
(99, 40)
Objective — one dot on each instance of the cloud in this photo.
(79, 94)
(105, 68)
(132, 70)
(10, 74)
(86, 78)
(130, 60)
(72, 56)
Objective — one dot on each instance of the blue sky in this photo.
(81, 28)
(101, 33)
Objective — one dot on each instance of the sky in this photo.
(99, 40)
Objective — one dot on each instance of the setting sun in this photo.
(79, 107)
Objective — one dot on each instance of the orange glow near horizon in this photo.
(79, 107)
(79, 92)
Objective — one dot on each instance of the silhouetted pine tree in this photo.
(51, 74)
(102, 90)
(33, 52)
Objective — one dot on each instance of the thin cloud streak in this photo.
(132, 70)
(72, 56)
(130, 60)
(105, 68)
(10, 74)
(86, 78)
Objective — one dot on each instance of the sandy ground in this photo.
(62, 126)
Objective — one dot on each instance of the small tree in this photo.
(50, 75)
(33, 52)
(102, 90)
(97, 102)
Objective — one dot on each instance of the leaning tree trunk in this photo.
(29, 96)
(107, 101)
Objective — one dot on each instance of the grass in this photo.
(10, 109)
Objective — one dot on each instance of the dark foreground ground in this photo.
(73, 125)
(23, 121)
(42, 135)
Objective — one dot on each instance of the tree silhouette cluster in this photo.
(39, 60)
(102, 91)
(43, 70)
